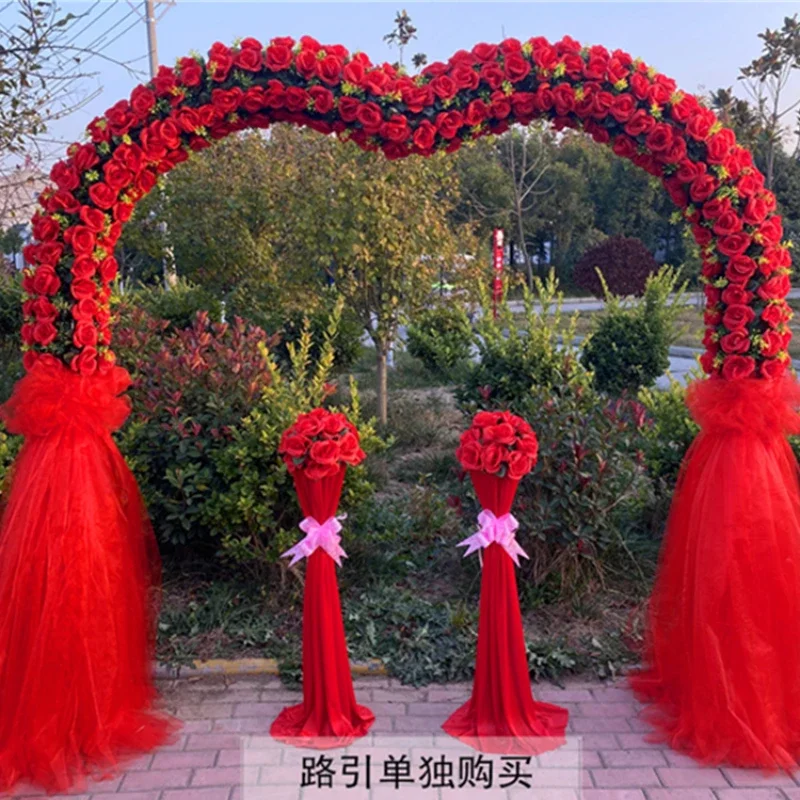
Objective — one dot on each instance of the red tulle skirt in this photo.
(329, 715)
(78, 574)
(722, 658)
(502, 715)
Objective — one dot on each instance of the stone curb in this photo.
(254, 666)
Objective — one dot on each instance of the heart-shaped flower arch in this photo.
(614, 98)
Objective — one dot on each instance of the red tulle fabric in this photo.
(722, 656)
(502, 715)
(79, 572)
(329, 715)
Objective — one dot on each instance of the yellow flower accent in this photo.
(127, 139)
(508, 88)
(621, 84)
(716, 128)
(579, 93)
(348, 88)
(92, 175)
(652, 72)
(655, 111)
(676, 98)
(527, 49)
(718, 361)
(560, 69)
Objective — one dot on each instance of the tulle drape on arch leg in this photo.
(78, 570)
(502, 715)
(329, 715)
(722, 659)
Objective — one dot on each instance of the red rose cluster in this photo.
(498, 443)
(320, 443)
(616, 99)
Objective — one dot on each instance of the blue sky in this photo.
(701, 45)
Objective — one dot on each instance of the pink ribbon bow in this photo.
(325, 536)
(495, 530)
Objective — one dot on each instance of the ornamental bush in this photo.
(518, 352)
(441, 337)
(624, 262)
(210, 404)
(178, 305)
(575, 507)
(629, 346)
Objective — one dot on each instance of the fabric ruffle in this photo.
(79, 577)
(722, 657)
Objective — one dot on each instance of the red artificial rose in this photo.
(640, 86)
(484, 418)
(740, 269)
(43, 310)
(519, 465)
(83, 289)
(476, 113)
(165, 83)
(700, 124)
(142, 101)
(444, 87)
(44, 333)
(639, 123)
(524, 104)
(735, 245)
(108, 269)
(354, 72)
(719, 146)
(623, 107)
(116, 175)
(485, 52)
(395, 129)
(751, 184)
(773, 368)
(755, 210)
(727, 223)
(774, 288)
(771, 343)
(84, 310)
(492, 458)
(716, 207)
(377, 82)
(502, 433)
(517, 67)
(469, 455)
(736, 367)
(370, 116)
(248, 58)
(735, 295)
(329, 70)
(564, 99)
(45, 229)
(738, 316)
(45, 281)
(86, 362)
(295, 446)
(323, 99)
(425, 136)
(80, 238)
(85, 335)
(120, 118)
(543, 54)
(102, 195)
(190, 72)
(737, 341)
(659, 139)
(85, 157)
(702, 188)
(448, 123)
(500, 107)
(326, 452)
(84, 267)
(776, 313)
(771, 230)
(93, 218)
(65, 176)
(492, 75)
(348, 108)
(624, 146)
(220, 61)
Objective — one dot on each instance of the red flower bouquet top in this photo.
(498, 443)
(320, 443)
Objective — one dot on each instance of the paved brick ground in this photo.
(205, 763)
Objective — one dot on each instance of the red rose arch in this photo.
(722, 662)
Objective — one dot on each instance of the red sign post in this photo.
(497, 264)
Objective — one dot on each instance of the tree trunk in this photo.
(382, 387)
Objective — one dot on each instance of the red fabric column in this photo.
(722, 659)
(78, 571)
(502, 715)
(329, 715)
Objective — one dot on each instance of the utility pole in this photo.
(150, 19)
(152, 43)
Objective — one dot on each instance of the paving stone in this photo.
(633, 758)
(680, 777)
(196, 758)
(771, 793)
(156, 779)
(215, 793)
(608, 710)
(612, 794)
(755, 778)
(681, 794)
(625, 778)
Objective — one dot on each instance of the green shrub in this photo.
(629, 346)
(178, 305)
(211, 406)
(441, 337)
(520, 352)
(9, 447)
(10, 342)
(624, 262)
(290, 323)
